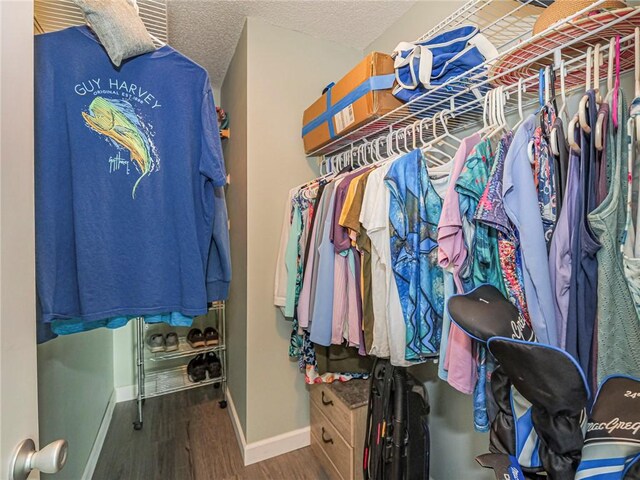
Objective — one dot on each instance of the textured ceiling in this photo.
(208, 31)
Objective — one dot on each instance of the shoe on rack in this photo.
(195, 338)
(213, 365)
(197, 369)
(156, 343)
(211, 336)
(171, 342)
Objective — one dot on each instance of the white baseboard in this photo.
(235, 421)
(269, 447)
(272, 447)
(126, 393)
(92, 461)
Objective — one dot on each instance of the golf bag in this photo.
(397, 432)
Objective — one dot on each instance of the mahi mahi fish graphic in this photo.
(117, 120)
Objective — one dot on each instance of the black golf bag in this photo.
(397, 433)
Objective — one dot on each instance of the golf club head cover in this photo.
(506, 467)
(612, 444)
(484, 312)
(553, 384)
(632, 472)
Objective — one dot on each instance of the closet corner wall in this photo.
(264, 158)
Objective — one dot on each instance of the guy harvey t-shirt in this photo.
(127, 160)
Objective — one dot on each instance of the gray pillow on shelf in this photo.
(119, 28)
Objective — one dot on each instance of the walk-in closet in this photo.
(320, 240)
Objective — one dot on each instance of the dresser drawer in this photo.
(325, 461)
(332, 443)
(337, 412)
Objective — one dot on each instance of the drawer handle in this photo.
(325, 440)
(326, 402)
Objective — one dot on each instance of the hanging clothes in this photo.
(280, 280)
(128, 224)
(491, 212)
(351, 220)
(389, 330)
(521, 205)
(561, 162)
(627, 329)
(618, 327)
(321, 304)
(584, 272)
(414, 212)
(459, 360)
(544, 174)
(560, 251)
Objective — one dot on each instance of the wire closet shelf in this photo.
(508, 25)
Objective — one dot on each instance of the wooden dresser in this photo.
(338, 419)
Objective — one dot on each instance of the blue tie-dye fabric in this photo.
(414, 213)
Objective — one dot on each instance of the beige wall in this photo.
(124, 350)
(412, 25)
(234, 90)
(75, 383)
(287, 71)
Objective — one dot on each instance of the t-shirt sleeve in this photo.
(219, 258)
(211, 159)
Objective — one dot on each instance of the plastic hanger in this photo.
(553, 136)
(520, 111)
(547, 85)
(421, 129)
(375, 149)
(571, 133)
(486, 123)
(501, 118)
(584, 101)
(436, 156)
(442, 139)
(542, 102)
(389, 144)
(637, 74)
(399, 133)
(637, 61)
(446, 131)
(599, 138)
(597, 59)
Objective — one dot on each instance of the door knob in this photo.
(50, 459)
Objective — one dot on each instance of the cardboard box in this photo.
(361, 95)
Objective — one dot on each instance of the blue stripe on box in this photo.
(379, 82)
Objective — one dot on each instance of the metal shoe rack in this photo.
(162, 373)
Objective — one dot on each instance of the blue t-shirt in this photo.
(130, 216)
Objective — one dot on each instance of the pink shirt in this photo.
(459, 358)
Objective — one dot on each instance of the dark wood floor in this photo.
(186, 436)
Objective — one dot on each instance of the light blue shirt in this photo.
(449, 291)
(521, 204)
(323, 303)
